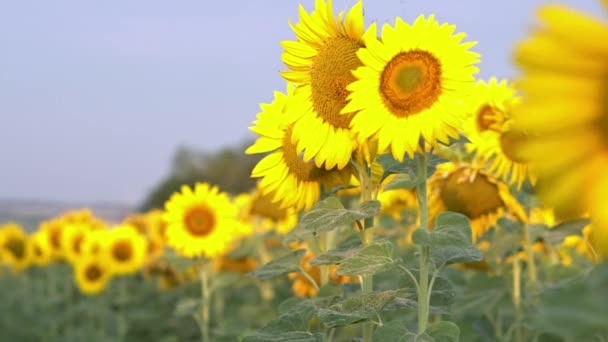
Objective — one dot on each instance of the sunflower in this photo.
(241, 265)
(413, 84)
(92, 275)
(40, 249)
(202, 221)
(301, 284)
(124, 249)
(262, 214)
(71, 241)
(294, 182)
(152, 226)
(488, 129)
(473, 192)
(53, 229)
(565, 113)
(14, 250)
(321, 62)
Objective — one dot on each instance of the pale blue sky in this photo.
(96, 95)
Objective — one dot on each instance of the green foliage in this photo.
(279, 266)
(329, 214)
(356, 309)
(373, 258)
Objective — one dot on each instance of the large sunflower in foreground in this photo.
(14, 250)
(201, 221)
(473, 192)
(565, 112)
(488, 129)
(124, 249)
(294, 182)
(414, 84)
(92, 275)
(321, 62)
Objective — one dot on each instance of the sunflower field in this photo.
(398, 198)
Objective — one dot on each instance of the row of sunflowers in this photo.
(399, 198)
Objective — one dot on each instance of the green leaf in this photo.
(358, 308)
(408, 166)
(401, 181)
(292, 325)
(394, 331)
(557, 234)
(330, 214)
(282, 265)
(373, 258)
(450, 240)
(337, 255)
(187, 307)
(291, 336)
(444, 331)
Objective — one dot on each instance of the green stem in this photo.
(425, 251)
(532, 274)
(367, 237)
(323, 247)
(205, 297)
(123, 298)
(517, 298)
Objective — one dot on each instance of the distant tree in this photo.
(229, 168)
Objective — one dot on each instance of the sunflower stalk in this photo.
(517, 298)
(425, 252)
(367, 237)
(323, 247)
(204, 318)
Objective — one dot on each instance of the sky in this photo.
(95, 96)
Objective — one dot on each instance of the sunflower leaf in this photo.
(373, 258)
(394, 331)
(444, 331)
(401, 181)
(450, 240)
(358, 308)
(286, 264)
(337, 255)
(330, 214)
(557, 234)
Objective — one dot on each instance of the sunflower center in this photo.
(16, 247)
(489, 118)
(93, 273)
(55, 237)
(77, 243)
(264, 206)
(331, 72)
(38, 251)
(411, 82)
(199, 221)
(122, 250)
(472, 198)
(511, 142)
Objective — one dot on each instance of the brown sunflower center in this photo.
(93, 272)
(38, 251)
(511, 144)
(17, 247)
(264, 206)
(122, 250)
(77, 243)
(472, 198)
(411, 82)
(331, 72)
(489, 118)
(55, 237)
(199, 221)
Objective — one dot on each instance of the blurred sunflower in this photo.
(473, 192)
(124, 249)
(152, 227)
(14, 250)
(71, 241)
(414, 84)
(264, 214)
(565, 113)
(294, 182)
(52, 230)
(321, 62)
(201, 222)
(241, 265)
(40, 249)
(92, 275)
(489, 133)
(93, 242)
(301, 284)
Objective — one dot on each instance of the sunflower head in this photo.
(201, 221)
(72, 237)
(124, 249)
(301, 284)
(92, 275)
(468, 190)
(40, 249)
(413, 85)
(14, 249)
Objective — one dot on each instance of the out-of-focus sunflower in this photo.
(152, 227)
(241, 265)
(414, 84)
(263, 214)
(321, 62)
(565, 112)
(53, 229)
(124, 249)
(473, 192)
(301, 284)
(294, 182)
(92, 275)
(488, 129)
(14, 249)
(82, 216)
(201, 222)
(394, 202)
(72, 237)
(40, 249)
(93, 242)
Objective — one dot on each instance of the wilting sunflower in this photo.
(473, 192)
(321, 62)
(414, 83)
(92, 275)
(72, 238)
(14, 249)
(488, 129)
(565, 114)
(294, 182)
(124, 249)
(201, 222)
